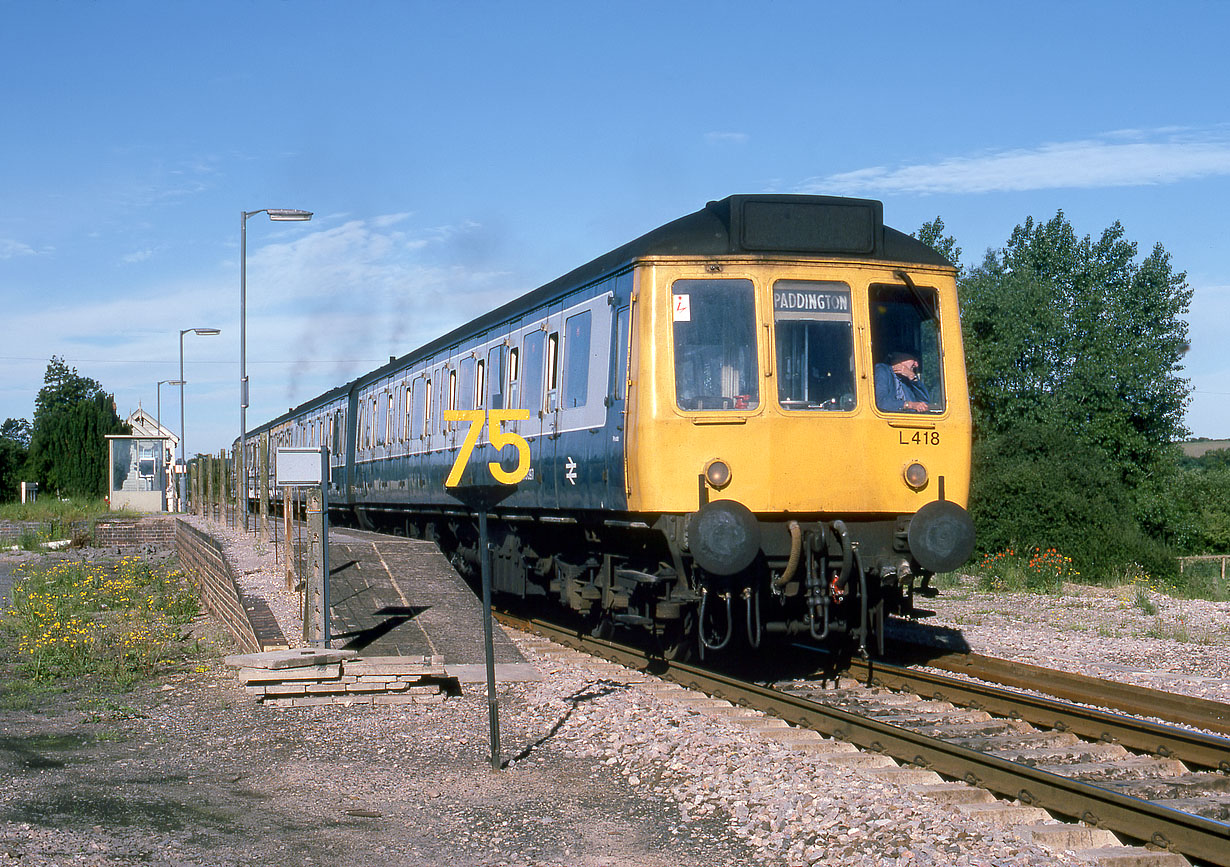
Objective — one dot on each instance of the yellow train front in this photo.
(798, 425)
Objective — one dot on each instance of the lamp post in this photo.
(162, 457)
(161, 383)
(276, 215)
(183, 459)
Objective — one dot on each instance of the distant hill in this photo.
(1196, 448)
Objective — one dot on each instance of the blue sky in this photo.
(458, 154)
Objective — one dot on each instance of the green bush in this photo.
(1039, 486)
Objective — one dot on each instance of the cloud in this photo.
(136, 256)
(367, 289)
(727, 138)
(1117, 159)
(10, 249)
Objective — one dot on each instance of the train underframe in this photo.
(829, 580)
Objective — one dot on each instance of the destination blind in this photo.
(801, 298)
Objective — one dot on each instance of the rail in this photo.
(1165, 827)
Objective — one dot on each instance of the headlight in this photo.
(717, 473)
(916, 476)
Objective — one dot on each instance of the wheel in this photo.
(677, 642)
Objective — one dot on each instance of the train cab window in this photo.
(576, 360)
(715, 345)
(814, 328)
(480, 384)
(495, 376)
(905, 346)
(531, 389)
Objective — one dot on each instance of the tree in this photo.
(932, 234)
(68, 446)
(1075, 345)
(14, 447)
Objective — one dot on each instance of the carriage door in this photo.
(527, 372)
(615, 436)
(581, 448)
(552, 374)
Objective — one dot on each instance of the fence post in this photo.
(211, 472)
(262, 480)
(289, 559)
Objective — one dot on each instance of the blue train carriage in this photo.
(709, 453)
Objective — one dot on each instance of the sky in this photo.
(458, 154)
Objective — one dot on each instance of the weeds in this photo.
(1031, 570)
(114, 622)
(1143, 602)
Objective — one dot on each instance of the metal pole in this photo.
(324, 535)
(183, 478)
(243, 358)
(162, 446)
(493, 710)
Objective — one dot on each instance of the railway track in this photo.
(1160, 784)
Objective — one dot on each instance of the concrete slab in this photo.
(393, 597)
(293, 658)
(509, 672)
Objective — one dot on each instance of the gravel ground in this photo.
(602, 771)
(1183, 646)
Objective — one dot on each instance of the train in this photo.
(749, 426)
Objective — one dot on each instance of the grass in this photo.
(111, 624)
(54, 519)
(1035, 570)
(49, 510)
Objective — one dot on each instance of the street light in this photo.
(162, 457)
(277, 215)
(183, 476)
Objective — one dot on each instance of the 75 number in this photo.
(499, 439)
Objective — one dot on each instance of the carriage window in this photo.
(576, 360)
(465, 384)
(621, 353)
(495, 376)
(552, 371)
(715, 344)
(905, 345)
(423, 394)
(514, 377)
(815, 345)
(535, 348)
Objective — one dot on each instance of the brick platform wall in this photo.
(10, 531)
(135, 534)
(220, 595)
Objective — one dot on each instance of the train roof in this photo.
(826, 227)
(823, 227)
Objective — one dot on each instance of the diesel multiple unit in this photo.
(702, 433)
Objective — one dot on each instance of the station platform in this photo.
(401, 597)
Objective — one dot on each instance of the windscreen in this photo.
(815, 345)
(715, 344)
